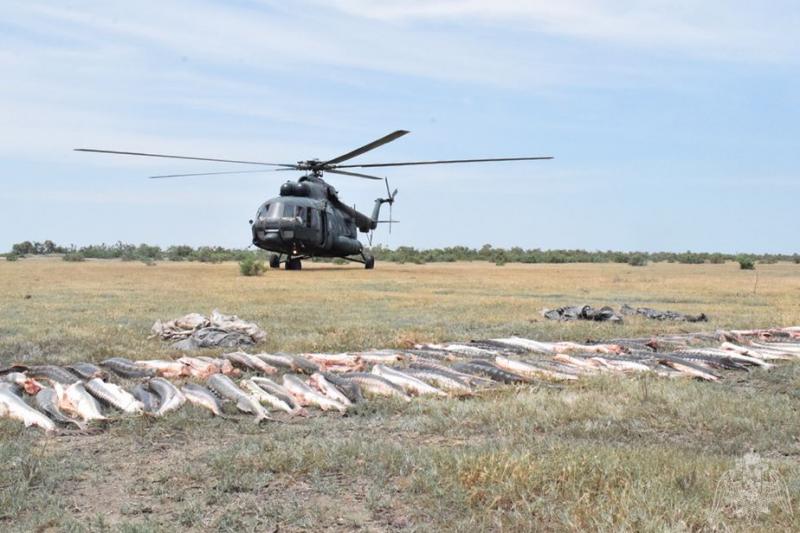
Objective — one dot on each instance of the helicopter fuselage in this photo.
(309, 220)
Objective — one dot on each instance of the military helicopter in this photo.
(308, 219)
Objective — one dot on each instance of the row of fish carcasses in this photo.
(258, 385)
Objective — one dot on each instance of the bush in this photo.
(73, 257)
(796, 259)
(250, 266)
(12, 257)
(745, 263)
(637, 260)
(339, 261)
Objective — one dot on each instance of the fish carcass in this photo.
(76, 399)
(199, 395)
(268, 398)
(127, 369)
(327, 388)
(165, 369)
(224, 387)
(12, 406)
(169, 397)
(376, 385)
(47, 401)
(251, 362)
(115, 396)
(408, 383)
(307, 396)
(532, 370)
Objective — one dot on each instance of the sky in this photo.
(674, 124)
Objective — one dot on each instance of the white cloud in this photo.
(732, 30)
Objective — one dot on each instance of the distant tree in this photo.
(637, 260)
(23, 248)
(746, 263)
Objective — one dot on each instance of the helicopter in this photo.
(308, 219)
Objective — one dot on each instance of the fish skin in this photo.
(15, 407)
(440, 380)
(279, 391)
(487, 369)
(376, 385)
(226, 388)
(464, 350)
(302, 364)
(409, 383)
(115, 396)
(127, 369)
(149, 400)
(467, 379)
(276, 360)
(76, 399)
(327, 388)
(429, 354)
(725, 353)
(199, 395)
(527, 344)
(578, 362)
(52, 373)
(47, 401)
(687, 368)
(347, 387)
(87, 371)
(622, 366)
(269, 399)
(530, 370)
(170, 398)
(250, 362)
(306, 395)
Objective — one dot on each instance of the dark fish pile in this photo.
(259, 385)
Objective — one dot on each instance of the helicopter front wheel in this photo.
(274, 261)
(369, 262)
(293, 263)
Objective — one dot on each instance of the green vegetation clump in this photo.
(746, 263)
(12, 257)
(402, 254)
(250, 266)
(73, 257)
(637, 260)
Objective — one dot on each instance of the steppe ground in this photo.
(616, 454)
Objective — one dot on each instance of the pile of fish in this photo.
(194, 331)
(72, 398)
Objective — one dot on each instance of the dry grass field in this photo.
(606, 454)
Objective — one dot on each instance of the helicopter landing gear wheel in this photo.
(293, 263)
(274, 261)
(369, 262)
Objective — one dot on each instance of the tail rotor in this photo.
(390, 200)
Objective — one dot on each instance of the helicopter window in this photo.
(288, 211)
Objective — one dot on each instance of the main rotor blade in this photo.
(356, 174)
(441, 162)
(217, 173)
(183, 157)
(366, 148)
